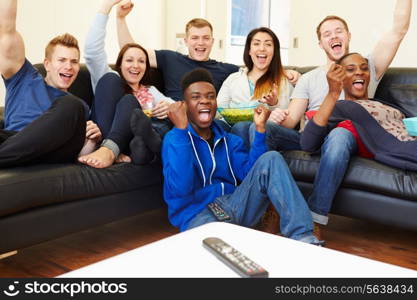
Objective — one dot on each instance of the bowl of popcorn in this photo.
(237, 114)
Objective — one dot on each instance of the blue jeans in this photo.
(269, 180)
(277, 137)
(336, 152)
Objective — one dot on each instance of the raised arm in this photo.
(335, 77)
(94, 52)
(12, 48)
(387, 47)
(316, 130)
(123, 34)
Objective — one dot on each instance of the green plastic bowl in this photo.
(238, 114)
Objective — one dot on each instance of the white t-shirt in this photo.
(314, 87)
(235, 91)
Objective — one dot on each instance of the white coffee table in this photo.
(182, 255)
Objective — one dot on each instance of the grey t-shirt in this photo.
(314, 87)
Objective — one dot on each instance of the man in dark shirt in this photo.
(199, 41)
(43, 122)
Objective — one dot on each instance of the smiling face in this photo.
(334, 39)
(201, 105)
(261, 51)
(357, 77)
(199, 42)
(133, 66)
(62, 67)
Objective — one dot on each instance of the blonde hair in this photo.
(199, 23)
(66, 40)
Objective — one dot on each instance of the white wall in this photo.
(40, 20)
(367, 20)
(179, 12)
(155, 23)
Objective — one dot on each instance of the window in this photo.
(245, 15)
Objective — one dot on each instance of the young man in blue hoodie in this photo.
(203, 164)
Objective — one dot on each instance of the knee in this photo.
(339, 140)
(241, 128)
(71, 105)
(109, 79)
(272, 157)
(130, 100)
(339, 143)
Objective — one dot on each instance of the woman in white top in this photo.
(120, 96)
(261, 80)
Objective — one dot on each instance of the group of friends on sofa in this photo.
(205, 162)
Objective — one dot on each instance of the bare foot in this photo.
(123, 158)
(101, 158)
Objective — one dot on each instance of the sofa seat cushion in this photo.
(26, 187)
(363, 174)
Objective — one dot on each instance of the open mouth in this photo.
(204, 115)
(200, 51)
(337, 46)
(66, 76)
(261, 58)
(134, 73)
(359, 84)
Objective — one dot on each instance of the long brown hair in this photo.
(275, 72)
(146, 80)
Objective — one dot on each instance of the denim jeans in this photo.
(336, 151)
(269, 180)
(241, 129)
(277, 137)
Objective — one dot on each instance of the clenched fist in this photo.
(260, 117)
(177, 113)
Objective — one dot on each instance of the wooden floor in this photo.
(375, 241)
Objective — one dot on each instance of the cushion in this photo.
(26, 187)
(362, 174)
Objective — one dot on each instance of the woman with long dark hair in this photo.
(262, 79)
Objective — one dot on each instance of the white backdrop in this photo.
(155, 23)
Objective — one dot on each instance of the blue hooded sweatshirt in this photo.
(194, 174)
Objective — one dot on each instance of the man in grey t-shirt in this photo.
(334, 37)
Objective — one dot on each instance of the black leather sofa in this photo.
(42, 202)
(371, 190)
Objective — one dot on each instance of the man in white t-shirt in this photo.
(334, 37)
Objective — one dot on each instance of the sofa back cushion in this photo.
(399, 87)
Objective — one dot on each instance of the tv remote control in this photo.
(218, 212)
(239, 263)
